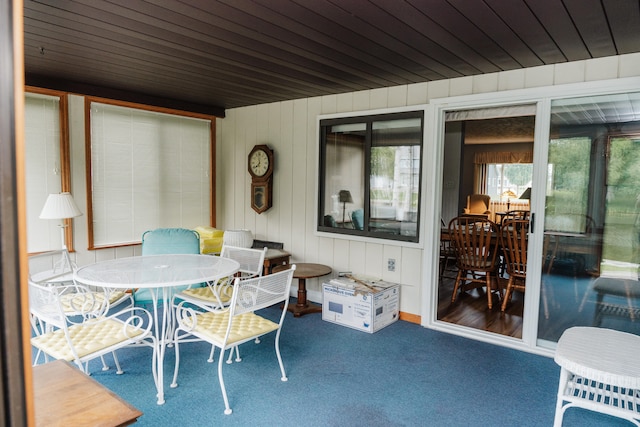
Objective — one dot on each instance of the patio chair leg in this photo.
(227, 410)
(105, 367)
(284, 374)
(119, 370)
(238, 359)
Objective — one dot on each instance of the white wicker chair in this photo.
(88, 334)
(229, 327)
(599, 371)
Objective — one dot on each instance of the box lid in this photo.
(362, 284)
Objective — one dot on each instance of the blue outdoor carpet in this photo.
(402, 375)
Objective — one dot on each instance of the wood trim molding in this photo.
(88, 160)
(212, 174)
(16, 407)
(412, 318)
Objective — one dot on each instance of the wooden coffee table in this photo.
(65, 396)
(303, 272)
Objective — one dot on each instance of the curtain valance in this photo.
(503, 157)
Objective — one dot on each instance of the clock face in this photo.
(259, 163)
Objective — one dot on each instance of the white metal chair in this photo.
(90, 333)
(55, 268)
(231, 326)
(219, 294)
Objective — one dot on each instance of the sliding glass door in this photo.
(573, 162)
(488, 155)
(592, 216)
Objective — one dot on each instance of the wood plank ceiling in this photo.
(210, 55)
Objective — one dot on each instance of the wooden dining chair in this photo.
(514, 235)
(514, 214)
(475, 242)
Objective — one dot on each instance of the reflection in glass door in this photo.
(592, 217)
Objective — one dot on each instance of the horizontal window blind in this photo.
(43, 168)
(148, 170)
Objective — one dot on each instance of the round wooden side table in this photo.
(303, 272)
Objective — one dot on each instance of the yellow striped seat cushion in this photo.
(205, 294)
(213, 326)
(88, 338)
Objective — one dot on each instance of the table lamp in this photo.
(509, 195)
(526, 195)
(60, 206)
(344, 197)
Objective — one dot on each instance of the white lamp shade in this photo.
(60, 206)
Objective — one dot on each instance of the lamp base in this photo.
(62, 235)
(344, 210)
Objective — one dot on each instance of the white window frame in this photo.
(423, 174)
(434, 151)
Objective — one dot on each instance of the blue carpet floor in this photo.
(403, 375)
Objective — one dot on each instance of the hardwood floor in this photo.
(570, 301)
(470, 309)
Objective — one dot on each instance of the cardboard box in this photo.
(366, 307)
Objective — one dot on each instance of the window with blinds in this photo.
(43, 167)
(146, 170)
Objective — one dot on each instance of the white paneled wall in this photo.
(290, 128)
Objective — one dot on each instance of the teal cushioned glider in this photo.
(167, 241)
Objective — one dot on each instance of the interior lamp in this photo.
(526, 194)
(344, 197)
(60, 206)
(509, 195)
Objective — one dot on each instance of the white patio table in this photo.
(158, 273)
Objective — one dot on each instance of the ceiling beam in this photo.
(121, 95)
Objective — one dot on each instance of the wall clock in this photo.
(260, 165)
